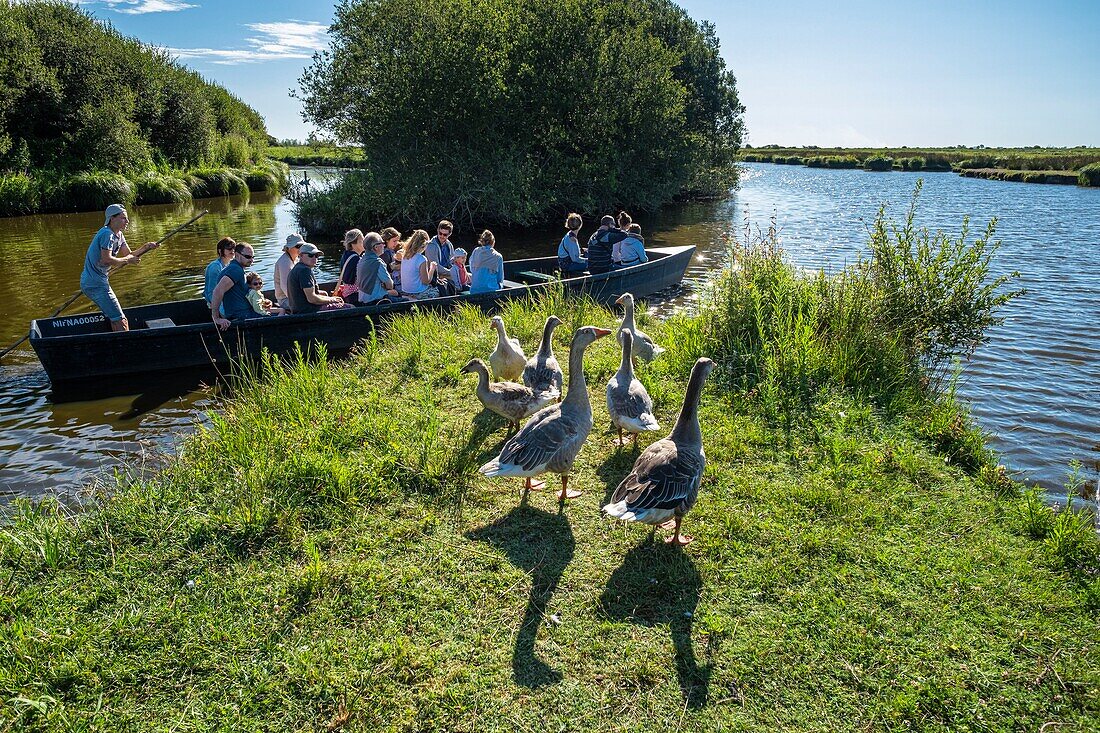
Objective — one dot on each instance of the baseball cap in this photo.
(112, 210)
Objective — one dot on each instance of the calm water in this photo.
(1034, 388)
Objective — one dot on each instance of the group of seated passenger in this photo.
(375, 267)
(613, 246)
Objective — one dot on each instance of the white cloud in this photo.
(140, 7)
(274, 41)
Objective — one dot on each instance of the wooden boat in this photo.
(179, 336)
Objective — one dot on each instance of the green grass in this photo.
(325, 554)
(325, 155)
(944, 159)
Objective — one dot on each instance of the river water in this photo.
(1034, 388)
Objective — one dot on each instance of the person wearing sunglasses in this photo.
(231, 293)
(301, 286)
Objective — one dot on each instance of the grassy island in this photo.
(1080, 166)
(326, 556)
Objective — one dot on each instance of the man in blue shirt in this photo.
(214, 269)
(441, 251)
(109, 251)
(231, 294)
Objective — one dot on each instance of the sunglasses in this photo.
(248, 257)
(257, 283)
(308, 254)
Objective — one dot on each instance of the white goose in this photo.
(664, 483)
(511, 401)
(542, 372)
(551, 440)
(628, 403)
(644, 348)
(507, 358)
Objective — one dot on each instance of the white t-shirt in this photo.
(410, 274)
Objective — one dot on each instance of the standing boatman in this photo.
(109, 249)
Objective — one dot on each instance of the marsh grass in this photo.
(324, 554)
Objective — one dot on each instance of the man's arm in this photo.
(216, 302)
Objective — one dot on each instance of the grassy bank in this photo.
(1079, 166)
(36, 192)
(323, 156)
(326, 556)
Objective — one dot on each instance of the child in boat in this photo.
(632, 248)
(460, 276)
(260, 304)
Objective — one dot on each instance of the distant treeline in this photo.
(86, 114)
(1031, 165)
(516, 111)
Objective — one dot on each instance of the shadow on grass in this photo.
(615, 468)
(656, 585)
(541, 544)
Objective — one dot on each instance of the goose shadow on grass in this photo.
(659, 585)
(542, 545)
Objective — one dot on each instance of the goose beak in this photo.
(619, 300)
(601, 332)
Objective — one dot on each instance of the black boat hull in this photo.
(78, 349)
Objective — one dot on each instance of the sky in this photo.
(849, 73)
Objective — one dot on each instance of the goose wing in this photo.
(546, 436)
(541, 375)
(666, 476)
(513, 401)
(629, 401)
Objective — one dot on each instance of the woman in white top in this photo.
(416, 272)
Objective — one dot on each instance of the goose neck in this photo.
(578, 389)
(687, 424)
(547, 346)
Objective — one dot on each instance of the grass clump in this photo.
(89, 191)
(214, 182)
(157, 188)
(879, 163)
(19, 194)
(325, 555)
(1089, 175)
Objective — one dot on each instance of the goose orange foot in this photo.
(566, 492)
(534, 485)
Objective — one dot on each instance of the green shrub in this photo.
(154, 188)
(935, 291)
(1089, 175)
(19, 194)
(878, 163)
(973, 163)
(234, 151)
(936, 162)
(832, 161)
(914, 163)
(90, 191)
(213, 182)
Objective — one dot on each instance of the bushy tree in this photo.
(83, 97)
(512, 111)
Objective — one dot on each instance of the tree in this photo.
(515, 111)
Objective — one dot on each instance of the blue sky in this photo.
(853, 73)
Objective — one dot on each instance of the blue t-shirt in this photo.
(235, 301)
(104, 239)
(213, 274)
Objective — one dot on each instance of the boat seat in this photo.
(513, 284)
(160, 323)
(541, 277)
